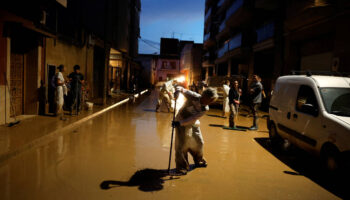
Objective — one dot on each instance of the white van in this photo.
(313, 113)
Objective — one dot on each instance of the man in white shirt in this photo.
(188, 137)
(61, 90)
(225, 105)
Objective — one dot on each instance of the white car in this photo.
(313, 113)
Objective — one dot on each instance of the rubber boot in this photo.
(255, 124)
(231, 122)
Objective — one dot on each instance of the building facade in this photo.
(148, 63)
(38, 36)
(272, 38)
(178, 59)
(191, 62)
(168, 62)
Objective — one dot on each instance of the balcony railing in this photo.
(265, 32)
(235, 42)
(223, 50)
(222, 26)
(233, 8)
(220, 3)
(207, 14)
(231, 44)
(206, 37)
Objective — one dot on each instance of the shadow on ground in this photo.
(216, 125)
(222, 126)
(147, 180)
(309, 166)
(218, 116)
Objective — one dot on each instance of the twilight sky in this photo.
(164, 18)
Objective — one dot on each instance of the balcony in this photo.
(265, 32)
(235, 42)
(207, 15)
(310, 12)
(222, 26)
(224, 49)
(233, 8)
(220, 3)
(239, 12)
(208, 41)
(223, 31)
(231, 48)
(206, 37)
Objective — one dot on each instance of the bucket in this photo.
(89, 105)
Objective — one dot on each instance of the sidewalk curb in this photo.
(52, 135)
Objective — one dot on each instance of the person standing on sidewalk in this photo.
(188, 138)
(61, 90)
(225, 103)
(76, 80)
(234, 101)
(255, 90)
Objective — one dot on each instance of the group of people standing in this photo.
(232, 99)
(73, 83)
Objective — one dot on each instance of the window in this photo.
(164, 65)
(336, 100)
(307, 99)
(173, 65)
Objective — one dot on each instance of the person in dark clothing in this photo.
(234, 101)
(256, 98)
(76, 80)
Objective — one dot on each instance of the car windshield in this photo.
(336, 100)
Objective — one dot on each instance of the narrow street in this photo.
(97, 160)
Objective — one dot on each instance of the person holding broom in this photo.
(234, 101)
(188, 138)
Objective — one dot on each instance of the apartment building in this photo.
(272, 38)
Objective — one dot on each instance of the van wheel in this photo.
(330, 158)
(275, 138)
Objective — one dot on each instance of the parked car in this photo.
(313, 113)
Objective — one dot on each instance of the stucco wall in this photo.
(69, 55)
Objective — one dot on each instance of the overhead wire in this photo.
(151, 43)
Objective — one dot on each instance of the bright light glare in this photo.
(180, 79)
(179, 102)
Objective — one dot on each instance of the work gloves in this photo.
(175, 124)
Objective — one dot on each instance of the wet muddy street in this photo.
(123, 154)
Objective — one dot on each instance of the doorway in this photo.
(24, 73)
(99, 69)
(51, 71)
(16, 83)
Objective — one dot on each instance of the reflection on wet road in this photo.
(123, 153)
